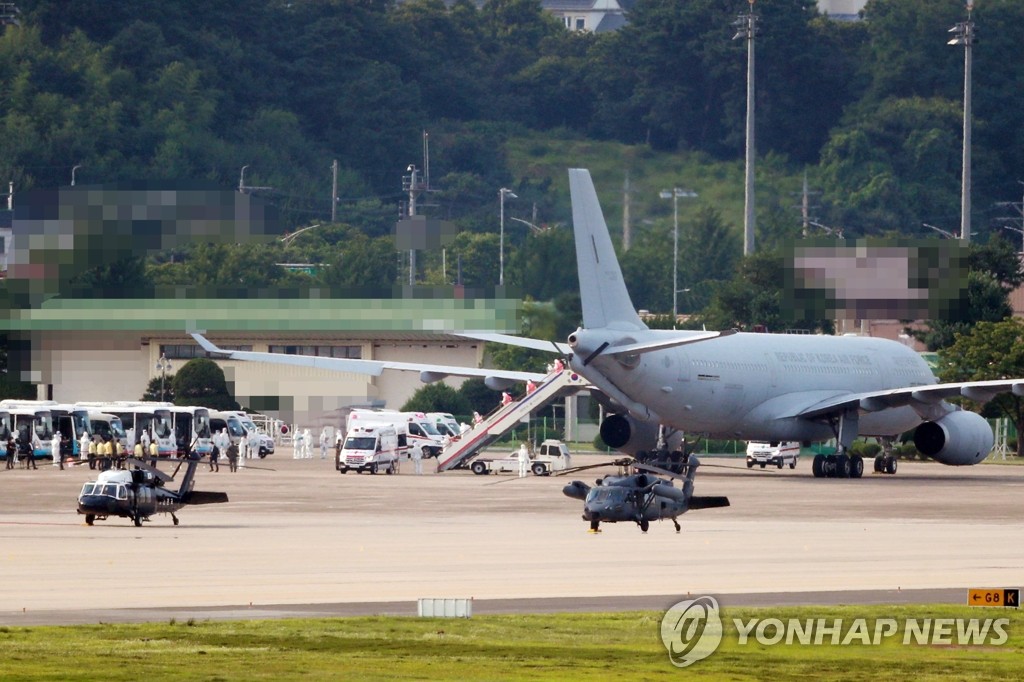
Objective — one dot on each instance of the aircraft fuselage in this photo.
(749, 385)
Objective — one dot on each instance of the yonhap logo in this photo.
(691, 630)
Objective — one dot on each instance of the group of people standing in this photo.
(246, 447)
(303, 443)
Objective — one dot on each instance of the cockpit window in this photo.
(606, 495)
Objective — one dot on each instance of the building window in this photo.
(581, 23)
(352, 352)
(186, 351)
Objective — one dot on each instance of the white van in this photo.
(370, 448)
(779, 454)
(415, 432)
(445, 424)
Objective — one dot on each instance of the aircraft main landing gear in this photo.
(644, 525)
(676, 524)
(89, 519)
(595, 526)
(174, 519)
(837, 466)
(885, 464)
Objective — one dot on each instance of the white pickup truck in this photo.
(552, 455)
(786, 452)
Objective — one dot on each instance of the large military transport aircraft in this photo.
(762, 387)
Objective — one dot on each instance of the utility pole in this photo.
(963, 34)
(627, 229)
(334, 191)
(805, 207)
(747, 27)
(1018, 207)
(414, 185)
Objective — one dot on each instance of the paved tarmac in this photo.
(306, 541)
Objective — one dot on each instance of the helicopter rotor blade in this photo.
(145, 466)
(625, 461)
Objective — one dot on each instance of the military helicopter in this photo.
(640, 497)
(139, 493)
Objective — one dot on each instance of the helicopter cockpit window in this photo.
(122, 492)
(87, 489)
(109, 490)
(606, 495)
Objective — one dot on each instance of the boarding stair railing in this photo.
(504, 419)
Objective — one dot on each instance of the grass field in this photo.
(623, 646)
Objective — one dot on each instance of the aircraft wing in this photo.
(371, 367)
(875, 401)
(535, 344)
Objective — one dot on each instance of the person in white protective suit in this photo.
(307, 444)
(417, 460)
(297, 444)
(55, 450)
(243, 449)
(129, 445)
(524, 460)
(83, 447)
(254, 444)
(324, 440)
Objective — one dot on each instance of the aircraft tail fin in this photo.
(603, 293)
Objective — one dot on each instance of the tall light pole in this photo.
(163, 365)
(502, 193)
(747, 27)
(674, 195)
(963, 34)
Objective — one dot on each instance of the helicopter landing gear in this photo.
(595, 526)
(174, 519)
(89, 519)
(644, 525)
(137, 520)
(676, 524)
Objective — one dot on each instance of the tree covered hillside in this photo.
(170, 89)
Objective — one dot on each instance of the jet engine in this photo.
(958, 439)
(627, 434)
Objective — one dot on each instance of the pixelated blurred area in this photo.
(58, 234)
(888, 279)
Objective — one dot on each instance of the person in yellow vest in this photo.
(93, 452)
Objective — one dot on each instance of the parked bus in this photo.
(71, 420)
(141, 416)
(106, 425)
(191, 430)
(5, 431)
(32, 424)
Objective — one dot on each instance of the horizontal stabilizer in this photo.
(648, 346)
(708, 502)
(204, 497)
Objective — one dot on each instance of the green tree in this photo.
(201, 382)
(437, 397)
(990, 350)
(154, 392)
(479, 398)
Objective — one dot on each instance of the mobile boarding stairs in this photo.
(501, 421)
